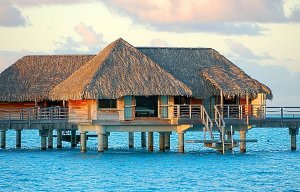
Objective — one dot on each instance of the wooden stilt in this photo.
(161, 141)
(150, 141)
(18, 138)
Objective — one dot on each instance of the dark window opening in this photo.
(182, 100)
(107, 103)
(146, 106)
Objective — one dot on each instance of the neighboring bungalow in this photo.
(130, 89)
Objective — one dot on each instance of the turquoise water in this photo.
(268, 165)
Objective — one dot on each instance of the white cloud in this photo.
(218, 16)
(91, 41)
(239, 50)
(27, 3)
(10, 16)
(158, 43)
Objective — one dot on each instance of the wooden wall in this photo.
(15, 109)
(82, 110)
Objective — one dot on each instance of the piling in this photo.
(50, 139)
(105, 141)
(59, 139)
(242, 143)
(143, 139)
(83, 142)
(180, 142)
(100, 142)
(18, 138)
(161, 141)
(43, 142)
(293, 132)
(150, 141)
(167, 140)
(73, 138)
(3, 139)
(131, 140)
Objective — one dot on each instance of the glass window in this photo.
(107, 103)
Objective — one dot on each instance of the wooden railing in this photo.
(34, 113)
(259, 112)
(194, 112)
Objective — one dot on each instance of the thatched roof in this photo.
(233, 82)
(206, 71)
(119, 70)
(32, 77)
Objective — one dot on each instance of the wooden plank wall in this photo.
(82, 110)
(15, 109)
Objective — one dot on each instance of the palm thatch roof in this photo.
(32, 77)
(119, 70)
(206, 71)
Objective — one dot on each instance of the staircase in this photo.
(216, 129)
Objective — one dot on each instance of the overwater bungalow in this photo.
(132, 89)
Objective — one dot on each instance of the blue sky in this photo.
(260, 36)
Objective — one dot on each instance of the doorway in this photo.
(146, 106)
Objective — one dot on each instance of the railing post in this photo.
(281, 111)
(178, 111)
(190, 111)
(228, 115)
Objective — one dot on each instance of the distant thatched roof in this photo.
(206, 71)
(32, 77)
(119, 70)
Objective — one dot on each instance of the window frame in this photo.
(110, 104)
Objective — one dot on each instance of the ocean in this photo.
(268, 165)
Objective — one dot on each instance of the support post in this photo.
(242, 143)
(247, 108)
(221, 102)
(180, 142)
(43, 142)
(150, 141)
(105, 141)
(167, 140)
(131, 140)
(18, 138)
(83, 142)
(161, 141)
(73, 138)
(59, 139)
(100, 142)
(293, 132)
(3, 139)
(50, 139)
(143, 139)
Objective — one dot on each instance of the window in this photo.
(107, 103)
(181, 100)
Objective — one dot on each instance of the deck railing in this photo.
(194, 112)
(258, 112)
(34, 113)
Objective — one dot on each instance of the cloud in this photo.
(158, 43)
(10, 16)
(28, 3)
(91, 41)
(229, 17)
(89, 37)
(240, 51)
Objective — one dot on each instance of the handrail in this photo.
(259, 112)
(208, 122)
(34, 113)
(221, 126)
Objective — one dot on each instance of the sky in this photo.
(262, 37)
